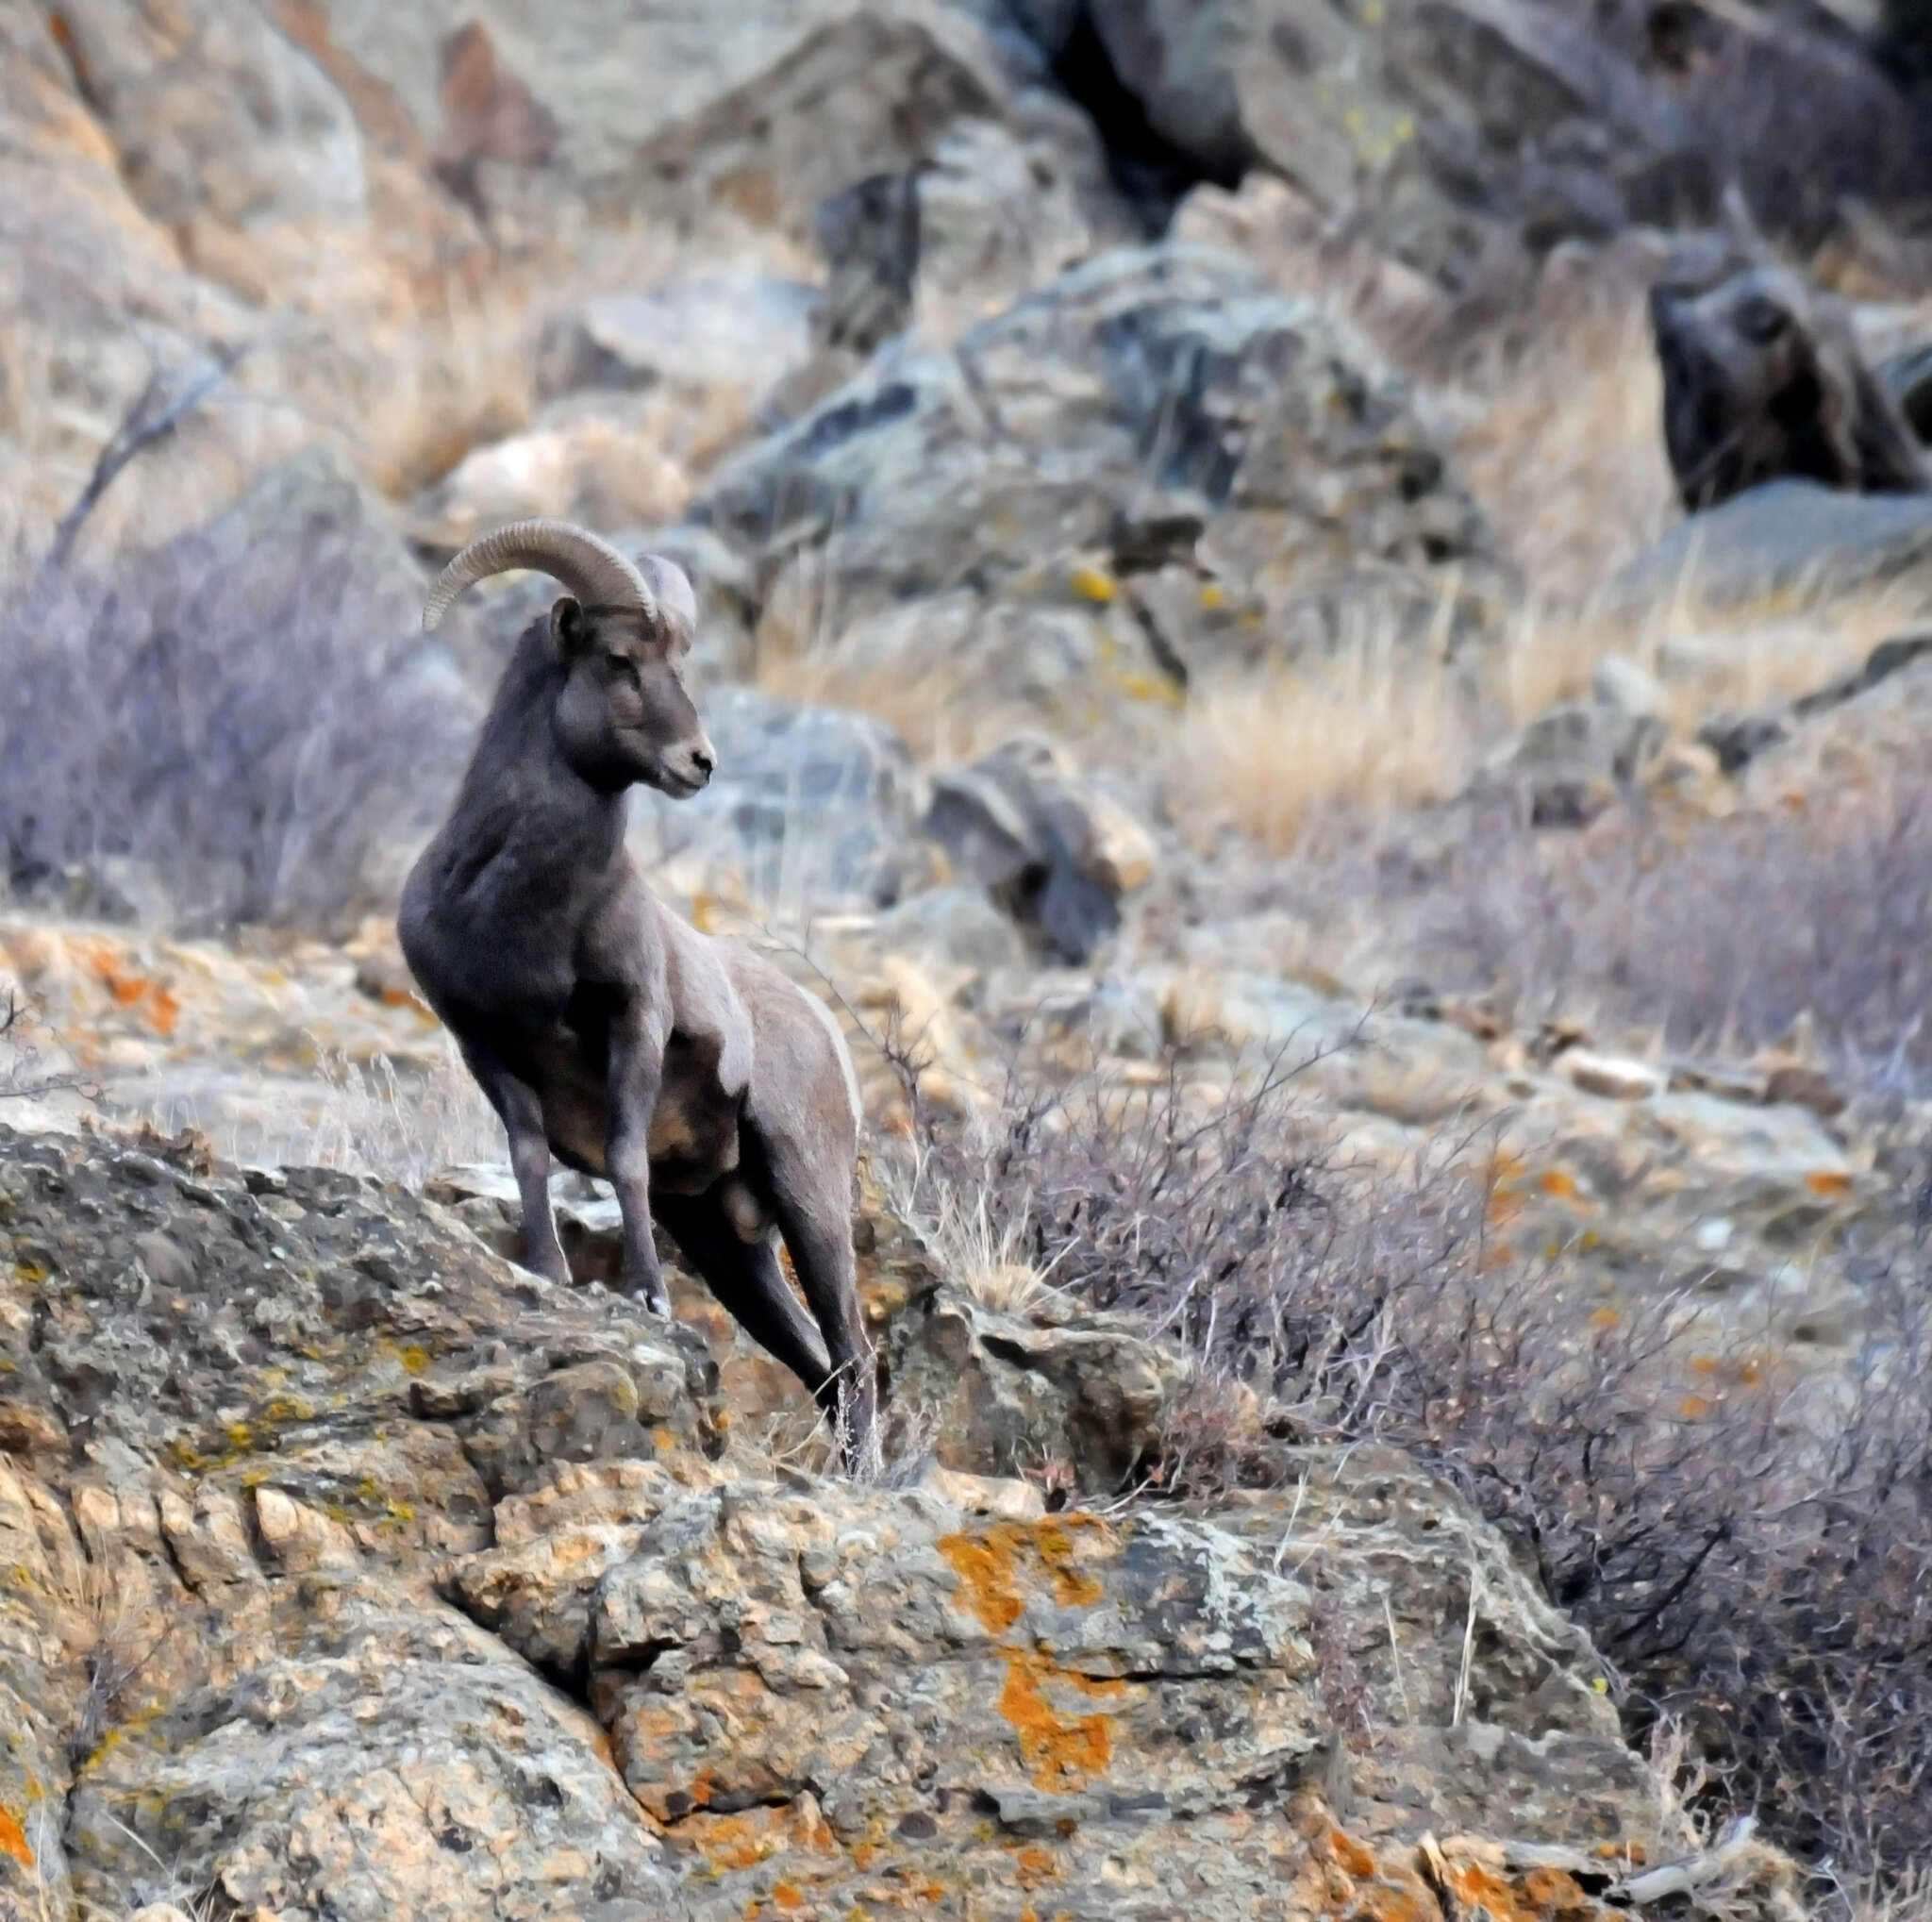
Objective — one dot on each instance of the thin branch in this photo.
(158, 410)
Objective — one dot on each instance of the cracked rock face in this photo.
(346, 1571)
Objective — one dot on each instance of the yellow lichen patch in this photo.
(415, 1358)
(13, 1840)
(1147, 687)
(1829, 1182)
(1555, 1181)
(240, 1436)
(1604, 1318)
(1093, 584)
(787, 1897)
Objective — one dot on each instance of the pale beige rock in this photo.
(597, 469)
(1615, 1078)
(1005, 1497)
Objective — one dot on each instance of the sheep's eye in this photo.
(622, 665)
(1759, 319)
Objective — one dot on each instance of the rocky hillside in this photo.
(1386, 964)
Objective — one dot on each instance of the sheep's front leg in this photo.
(520, 1107)
(637, 1073)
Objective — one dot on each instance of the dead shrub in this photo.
(1720, 932)
(242, 728)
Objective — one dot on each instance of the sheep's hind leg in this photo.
(744, 1275)
(809, 1194)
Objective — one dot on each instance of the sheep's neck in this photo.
(546, 835)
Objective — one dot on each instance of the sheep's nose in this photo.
(704, 760)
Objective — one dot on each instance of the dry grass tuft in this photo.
(367, 1118)
(1376, 726)
(457, 381)
(917, 707)
(1383, 726)
(1566, 454)
(1731, 659)
(984, 1259)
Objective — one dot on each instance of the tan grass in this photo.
(1565, 452)
(457, 373)
(984, 1258)
(799, 658)
(1733, 661)
(921, 709)
(1907, 1899)
(365, 1118)
(1376, 726)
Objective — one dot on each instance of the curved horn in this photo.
(591, 569)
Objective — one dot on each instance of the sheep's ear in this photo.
(568, 630)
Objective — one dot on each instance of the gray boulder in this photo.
(1779, 536)
(1056, 854)
(810, 806)
(1480, 120)
(730, 334)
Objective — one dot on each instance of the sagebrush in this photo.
(1744, 1545)
(240, 727)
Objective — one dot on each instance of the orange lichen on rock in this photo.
(1059, 1751)
(996, 1566)
(1034, 1865)
(1555, 1893)
(1356, 1857)
(1388, 1899)
(744, 1840)
(13, 1840)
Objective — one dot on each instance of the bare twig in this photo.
(160, 406)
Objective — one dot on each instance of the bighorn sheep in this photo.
(712, 1091)
(1762, 378)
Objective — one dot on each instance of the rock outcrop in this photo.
(1467, 122)
(352, 1569)
(985, 508)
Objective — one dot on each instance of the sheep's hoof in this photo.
(651, 1298)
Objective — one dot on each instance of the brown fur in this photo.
(711, 1091)
(1763, 380)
